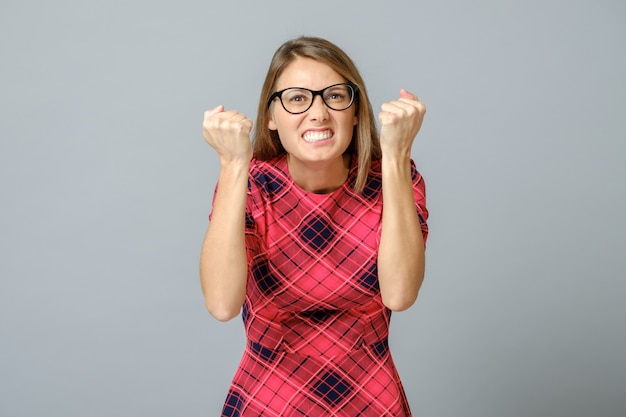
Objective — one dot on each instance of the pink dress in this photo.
(314, 319)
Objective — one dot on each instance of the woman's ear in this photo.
(271, 124)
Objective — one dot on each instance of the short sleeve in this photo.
(213, 202)
(251, 235)
(419, 195)
(254, 209)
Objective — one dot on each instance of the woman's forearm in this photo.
(223, 260)
(401, 250)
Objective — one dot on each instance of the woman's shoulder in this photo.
(373, 185)
(269, 175)
(376, 169)
(269, 164)
(272, 167)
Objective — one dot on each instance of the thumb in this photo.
(214, 110)
(408, 95)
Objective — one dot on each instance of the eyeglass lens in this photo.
(336, 97)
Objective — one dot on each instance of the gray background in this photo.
(106, 185)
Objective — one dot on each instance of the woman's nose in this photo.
(318, 110)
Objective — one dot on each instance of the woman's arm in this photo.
(401, 251)
(223, 260)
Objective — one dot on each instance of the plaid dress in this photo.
(314, 319)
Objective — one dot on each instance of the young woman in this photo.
(301, 243)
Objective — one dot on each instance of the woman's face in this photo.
(320, 134)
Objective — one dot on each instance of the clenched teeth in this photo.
(317, 136)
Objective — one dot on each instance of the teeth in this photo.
(317, 136)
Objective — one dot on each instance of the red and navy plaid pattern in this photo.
(314, 319)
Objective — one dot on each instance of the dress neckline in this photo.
(281, 163)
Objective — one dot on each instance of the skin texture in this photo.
(401, 250)
(223, 263)
(319, 167)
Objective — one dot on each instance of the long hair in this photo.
(365, 142)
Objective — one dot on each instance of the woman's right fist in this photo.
(228, 132)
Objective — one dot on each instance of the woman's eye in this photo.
(335, 96)
(297, 98)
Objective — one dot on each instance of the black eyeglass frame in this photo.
(354, 88)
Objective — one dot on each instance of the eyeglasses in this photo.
(296, 100)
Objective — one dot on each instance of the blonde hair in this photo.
(365, 142)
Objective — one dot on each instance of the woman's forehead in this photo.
(308, 73)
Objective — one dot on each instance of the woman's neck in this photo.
(320, 178)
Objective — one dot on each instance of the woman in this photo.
(299, 238)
